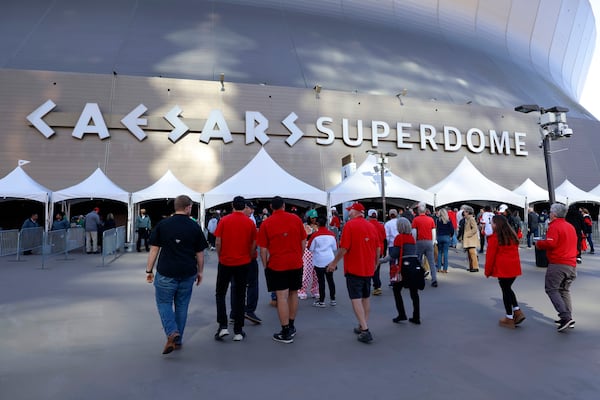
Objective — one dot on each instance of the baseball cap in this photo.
(96, 209)
(356, 206)
(502, 208)
(393, 211)
(250, 204)
(372, 213)
(312, 214)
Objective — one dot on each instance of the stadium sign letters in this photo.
(452, 139)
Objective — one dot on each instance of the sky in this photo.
(590, 97)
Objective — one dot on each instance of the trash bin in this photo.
(540, 258)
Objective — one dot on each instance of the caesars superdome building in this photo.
(140, 87)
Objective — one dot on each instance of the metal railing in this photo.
(9, 242)
(113, 244)
(30, 240)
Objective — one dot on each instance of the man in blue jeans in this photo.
(180, 242)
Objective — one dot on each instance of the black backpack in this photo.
(413, 274)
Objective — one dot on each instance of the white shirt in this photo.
(486, 218)
(323, 248)
(391, 231)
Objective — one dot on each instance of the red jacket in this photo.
(560, 243)
(502, 261)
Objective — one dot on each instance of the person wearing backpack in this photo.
(406, 245)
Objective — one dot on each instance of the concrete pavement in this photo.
(74, 330)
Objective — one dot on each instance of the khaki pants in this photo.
(472, 255)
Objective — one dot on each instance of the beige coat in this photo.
(471, 233)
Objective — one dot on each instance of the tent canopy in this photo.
(365, 183)
(573, 194)
(18, 184)
(535, 193)
(96, 186)
(274, 181)
(466, 183)
(167, 187)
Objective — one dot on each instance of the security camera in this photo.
(567, 132)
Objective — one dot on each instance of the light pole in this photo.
(553, 126)
(382, 160)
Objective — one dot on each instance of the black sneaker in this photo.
(250, 316)
(292, 331)
(571, 325)
(365, 337)
(564, 324)
(283, 337)
(357, 330)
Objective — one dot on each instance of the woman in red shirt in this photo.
(502, 261)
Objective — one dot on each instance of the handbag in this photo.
(520, 234)
(395, 275)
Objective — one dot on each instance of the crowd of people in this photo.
(301, 252)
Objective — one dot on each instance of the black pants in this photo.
(508, 296)
(414, 296)
(322, 274)
(251, 301)
(225, 275)
(142, 234)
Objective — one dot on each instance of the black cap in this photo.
(250, 204)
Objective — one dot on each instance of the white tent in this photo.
(365, 183)
(534, 193)
(19, 185)
(167, 187)
(466, 183)
(595, 191)
(273, 181)
(95, 186)
(573, 194)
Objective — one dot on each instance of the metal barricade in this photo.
(56, 242)
(75, 239)
(30, 240)
(9, 242)
(113, 243)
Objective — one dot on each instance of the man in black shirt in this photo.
(181, 243)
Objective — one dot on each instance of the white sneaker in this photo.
(333, 303)
(319, 304)
(238, 337)
(221, 333)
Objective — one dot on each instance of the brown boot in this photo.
(518, 317)
(171, 341)
(507, 323)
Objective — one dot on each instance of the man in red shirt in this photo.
(425, 226)
(561, 250)
(360, 247)
(282, 240)
(235, 244)
(382, 236)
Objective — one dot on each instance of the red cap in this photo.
(356, 206)
(96, 209)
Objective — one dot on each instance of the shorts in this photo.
(283, 280)
(359, 287)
